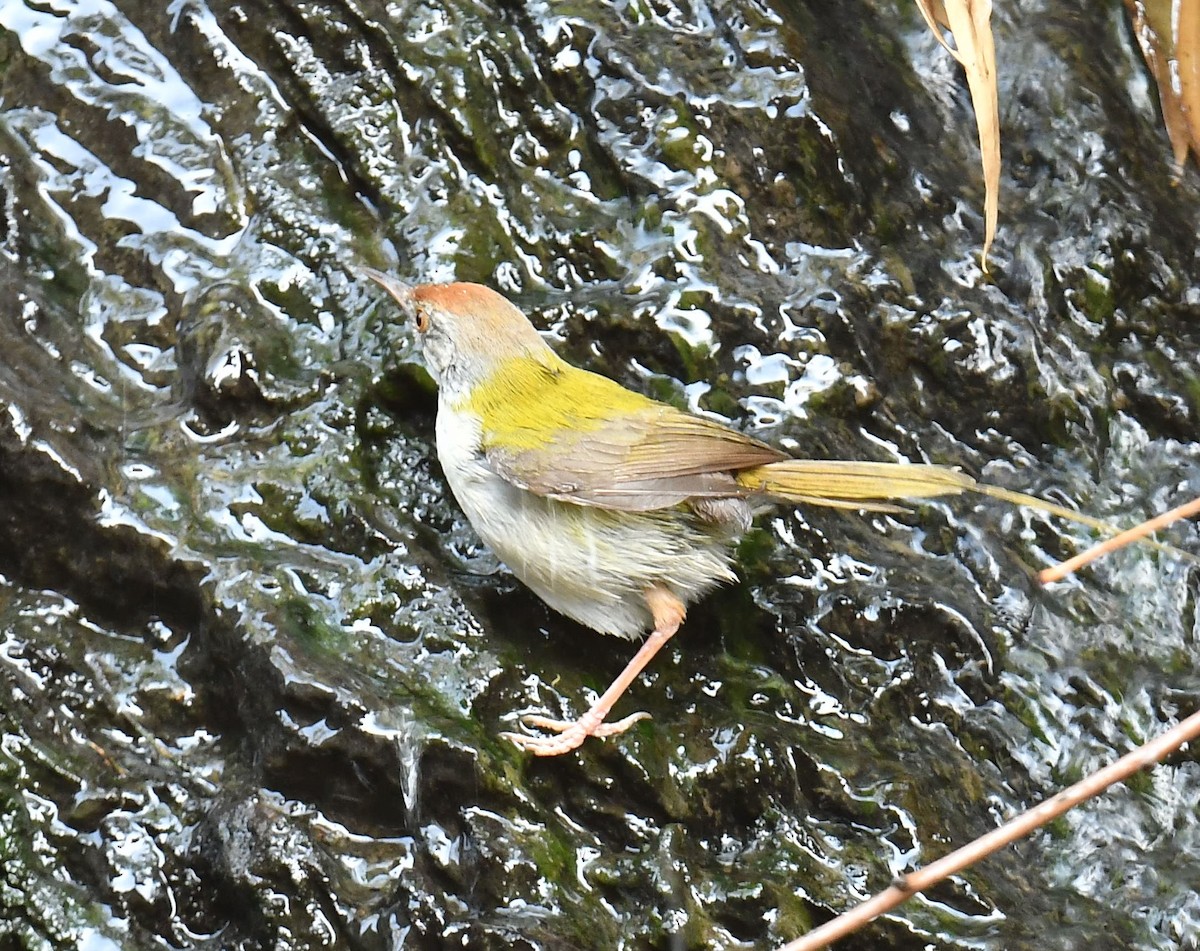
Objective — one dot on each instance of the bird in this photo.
(617, 510)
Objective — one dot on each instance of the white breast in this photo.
(589, 563)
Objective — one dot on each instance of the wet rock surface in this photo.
(254, 661)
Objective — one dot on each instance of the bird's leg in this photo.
(668, 613)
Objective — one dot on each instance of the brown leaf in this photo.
(970, 23)
(1168, 32)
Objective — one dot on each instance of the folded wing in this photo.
(599, 444)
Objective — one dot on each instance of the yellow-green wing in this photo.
(563, 432)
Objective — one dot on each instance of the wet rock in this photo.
(254, 660)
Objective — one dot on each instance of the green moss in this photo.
(697, 360)
(305, 624)
(649, 215)
(677, 139)
(638, 11)
(666, 390)
(754, 555)
(720, 400)
(1098, 304)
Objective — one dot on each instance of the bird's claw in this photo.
(569, 733)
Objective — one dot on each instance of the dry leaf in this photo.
(970, 23)
(1168, 32)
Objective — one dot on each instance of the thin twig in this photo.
(906, 886)
(1058, 572)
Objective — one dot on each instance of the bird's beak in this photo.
(398, 289)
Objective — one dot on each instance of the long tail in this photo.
(875, 486)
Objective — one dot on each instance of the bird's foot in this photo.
(570, 733)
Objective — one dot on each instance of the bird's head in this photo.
(467, 331)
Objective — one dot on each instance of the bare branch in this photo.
(1143, 757)
(1058, 572)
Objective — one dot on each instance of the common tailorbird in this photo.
(615, 509)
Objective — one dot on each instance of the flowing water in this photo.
(254, 661)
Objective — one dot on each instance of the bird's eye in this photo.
(422, 320)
